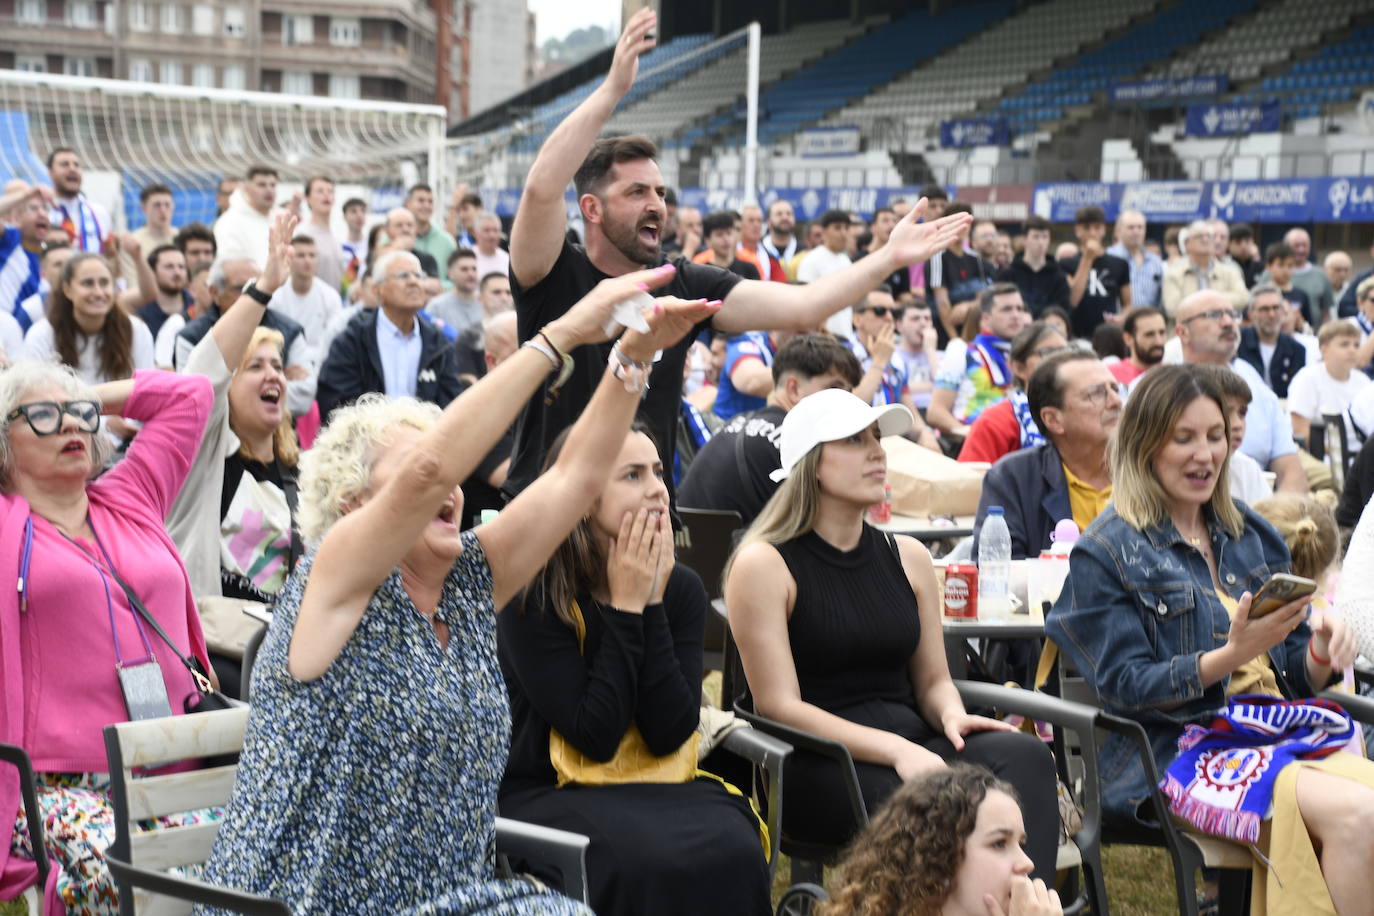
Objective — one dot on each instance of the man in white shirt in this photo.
(491, 259)
(241, 232)
(1208, 328)
(319, 200)
(307, 299)
(86, 222)
(1330, 385)
(917, 352)
(827, 258)
(354, 245)
(781, 241)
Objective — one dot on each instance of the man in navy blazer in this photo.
(1267, 310)
(1075, 402)
(390, 349)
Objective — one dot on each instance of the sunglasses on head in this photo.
(45, 417)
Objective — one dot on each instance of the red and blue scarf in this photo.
(1222, 781)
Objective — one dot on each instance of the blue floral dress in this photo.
(372, 789)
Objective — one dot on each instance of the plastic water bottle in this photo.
(994, 566)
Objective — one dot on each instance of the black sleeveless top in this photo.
(854, 626)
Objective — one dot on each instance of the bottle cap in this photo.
(995, 510)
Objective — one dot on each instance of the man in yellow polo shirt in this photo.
(1075, 402)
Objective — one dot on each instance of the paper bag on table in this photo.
(926, 483)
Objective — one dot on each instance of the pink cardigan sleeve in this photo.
(173, 409)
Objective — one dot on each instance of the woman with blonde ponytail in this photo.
(1309, 529)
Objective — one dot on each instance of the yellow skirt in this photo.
(1292, 883)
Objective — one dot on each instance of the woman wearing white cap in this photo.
(839, 631)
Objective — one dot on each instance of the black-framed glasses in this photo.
(45, 417)
(882, 311)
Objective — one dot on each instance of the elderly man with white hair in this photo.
(389, 349)
(491, 257)
(1199, 269)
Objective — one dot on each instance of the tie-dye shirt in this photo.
(982, 383)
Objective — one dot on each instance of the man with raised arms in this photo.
(620, 193)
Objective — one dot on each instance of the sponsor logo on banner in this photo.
(855, 200)
(1351, 199)
(1228, 120)
(1058, 202)
(828, 141)
(1163, 199)
(1261, 201)
(1181, 88)
(965, 132)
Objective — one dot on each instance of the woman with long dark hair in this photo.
(86, 329)
(603, 660)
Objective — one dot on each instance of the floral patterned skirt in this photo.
(78, 826)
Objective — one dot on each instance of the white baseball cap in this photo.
(830, 415)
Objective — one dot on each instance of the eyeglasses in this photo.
(1045, 352)
(1097, 395)
(406, 276)
(882, 311)
(45, 417)
(1214, 315)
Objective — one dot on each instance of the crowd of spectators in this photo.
(350, 417)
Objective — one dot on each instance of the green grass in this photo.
(14, 908)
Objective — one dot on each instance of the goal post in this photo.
(188, 137)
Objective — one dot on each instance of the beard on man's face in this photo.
(634, 243)
(1153, 356)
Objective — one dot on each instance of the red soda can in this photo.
(961, 591)
(881, 513)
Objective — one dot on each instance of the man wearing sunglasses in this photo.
(1209, 330)
(885, 379)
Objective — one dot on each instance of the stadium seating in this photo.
(1270, 36)
(854, 70)
(1124, 57)
(980, 69)
(656, 69)
(1338, 73)
(672, 117)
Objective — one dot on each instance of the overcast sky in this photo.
(556, 18)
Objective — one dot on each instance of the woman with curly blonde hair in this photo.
(947, 843)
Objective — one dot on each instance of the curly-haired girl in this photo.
(947, 843)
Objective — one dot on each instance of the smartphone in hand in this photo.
(1278, 591)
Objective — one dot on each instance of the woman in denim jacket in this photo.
(1142, 616)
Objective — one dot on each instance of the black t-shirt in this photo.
(745, 270)
(962, 276)
(427, 262)
(1041, 288)
(468, 350)
(716, 480)
(573, 276)
(899, 281)
(1103, 295)
(477, 493)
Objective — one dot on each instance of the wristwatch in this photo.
(250, 289)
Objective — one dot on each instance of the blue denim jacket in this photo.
(1138, 610)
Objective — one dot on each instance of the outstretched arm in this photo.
(235, 327)
(523, 537)
(758, 305)
(354, 558)
(537, 234)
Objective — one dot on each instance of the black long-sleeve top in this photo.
(641, 669)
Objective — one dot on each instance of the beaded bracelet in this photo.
(634, 375)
